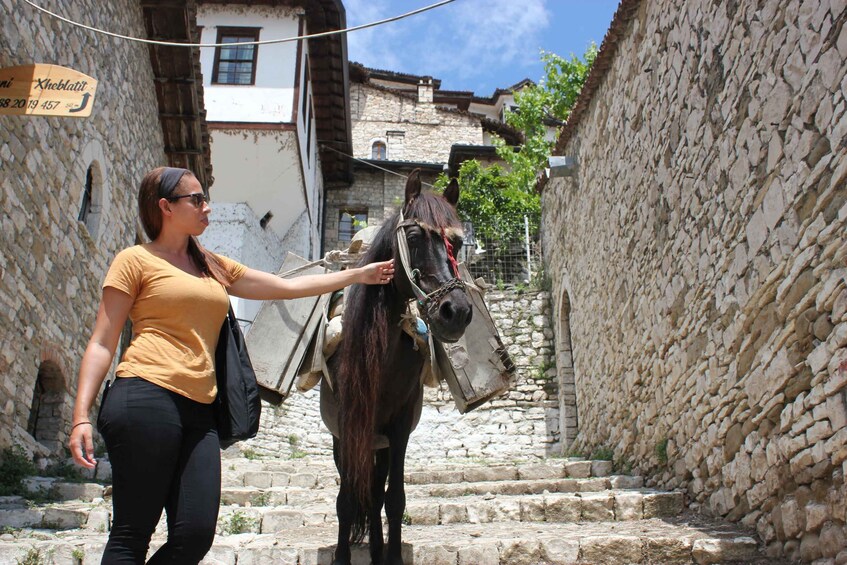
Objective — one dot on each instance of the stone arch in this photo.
(568, 418)
(91, 175)
(49, 402)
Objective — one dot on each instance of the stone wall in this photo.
(698, 259)
(413, 131)
(51, 264)
(428, 132)
(523, 423)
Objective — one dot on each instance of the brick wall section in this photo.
(701, 248)
(523, 423)
(51, 265)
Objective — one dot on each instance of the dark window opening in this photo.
(265, 219)
(349, 222)
(46, 420)
(236, 63)
(85, 209)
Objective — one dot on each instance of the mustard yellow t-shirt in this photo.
(176, 320)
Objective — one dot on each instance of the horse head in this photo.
(429, 237)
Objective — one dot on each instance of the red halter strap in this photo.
(450, 256)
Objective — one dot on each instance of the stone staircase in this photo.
(283, 512)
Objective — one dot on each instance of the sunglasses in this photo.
(197, 198)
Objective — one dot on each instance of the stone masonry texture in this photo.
(700, 247)
(427, 133)
(51, 264)
(520, 424)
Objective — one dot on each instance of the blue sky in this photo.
(477, 45)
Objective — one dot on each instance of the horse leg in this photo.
(344, 508)
(395, 500)
(377, 499)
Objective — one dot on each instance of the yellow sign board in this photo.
(46, 90)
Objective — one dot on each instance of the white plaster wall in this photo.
(235, 232)
(262, 169)
(271, 99)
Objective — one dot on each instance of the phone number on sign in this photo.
(28, 104)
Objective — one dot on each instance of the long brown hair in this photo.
(151, 219)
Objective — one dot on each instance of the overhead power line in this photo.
(262, 42)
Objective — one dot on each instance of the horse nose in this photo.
(456, 316)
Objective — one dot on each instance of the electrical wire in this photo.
(370, 164)
(262, 42)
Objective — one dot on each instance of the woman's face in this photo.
(190, 210)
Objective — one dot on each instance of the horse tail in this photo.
(362, 356)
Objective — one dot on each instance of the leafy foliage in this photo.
(15, 467)
(496, 199)
(549, 101)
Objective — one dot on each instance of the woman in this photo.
(157, 418)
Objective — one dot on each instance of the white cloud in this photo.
(467, 40)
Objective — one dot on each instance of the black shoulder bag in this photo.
(237, 407)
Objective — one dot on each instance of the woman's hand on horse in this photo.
(378, 273)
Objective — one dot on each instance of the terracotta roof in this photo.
(330, 82)
(501, 91)
(618, 29)
(509, 134)
(380, 74)
(179, 85)
(461, 153)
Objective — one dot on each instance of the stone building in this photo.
(68, 189)
(401, 122)
(698, 257)
(267, 107)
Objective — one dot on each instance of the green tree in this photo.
(552, 98)
(496, 199)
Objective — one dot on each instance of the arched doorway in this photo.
(46, 420)
(568, 420)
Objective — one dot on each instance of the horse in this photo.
(376, 392)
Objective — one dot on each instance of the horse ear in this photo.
(413, 185)
(451, 193)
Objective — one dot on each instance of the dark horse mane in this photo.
(364, 349)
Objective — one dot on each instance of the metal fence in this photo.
(509, 262)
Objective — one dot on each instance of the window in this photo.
(85, 209)
(91, 207)
(378, 151)
(349, 222)
(236, 64)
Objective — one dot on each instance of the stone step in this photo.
(682, 540)
(280, 515)
(281, 495)
(272, 472)
(55, 489)
(551, 507)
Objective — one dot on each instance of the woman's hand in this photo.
(377, 273)
(82, 445)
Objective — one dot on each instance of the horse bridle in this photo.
(427, 302)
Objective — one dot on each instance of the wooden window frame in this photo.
(384, 151)
(249, 32)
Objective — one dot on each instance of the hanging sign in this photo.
(46, 90)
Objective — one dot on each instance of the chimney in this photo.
(425, 90)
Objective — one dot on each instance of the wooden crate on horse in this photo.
(280, 336)
(477, 367)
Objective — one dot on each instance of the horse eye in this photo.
(413, 235)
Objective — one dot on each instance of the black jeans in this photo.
(165, 454)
